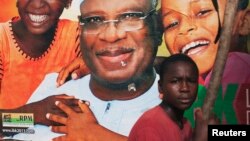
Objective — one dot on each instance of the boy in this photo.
(178, 86)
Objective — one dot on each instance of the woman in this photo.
(33, 45)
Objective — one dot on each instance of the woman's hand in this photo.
(74, 70)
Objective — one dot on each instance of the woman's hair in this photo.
(176, 58)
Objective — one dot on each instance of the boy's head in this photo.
(178, 81)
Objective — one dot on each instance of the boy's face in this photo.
(107, 50)
(190, 27)
(179, 85)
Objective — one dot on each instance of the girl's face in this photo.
(40, 15)
(190, 27)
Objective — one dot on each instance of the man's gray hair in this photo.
(154, 3)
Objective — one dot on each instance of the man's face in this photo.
(190, 27)
(113, 54)
(179, 85)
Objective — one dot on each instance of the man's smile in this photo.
(115, 55)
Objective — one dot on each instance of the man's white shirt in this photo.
(116, 115)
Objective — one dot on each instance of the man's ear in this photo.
(244, 23)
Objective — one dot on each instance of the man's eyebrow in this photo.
(134, 9)
(94, 13)
(100, 12)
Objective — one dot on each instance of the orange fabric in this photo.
(21, 74)
(8, 10)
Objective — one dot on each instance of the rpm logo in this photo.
(18, 119)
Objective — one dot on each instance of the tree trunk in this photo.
(224, 46)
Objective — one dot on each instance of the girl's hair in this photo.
(243, 4)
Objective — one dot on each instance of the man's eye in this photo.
(203, 13)
(93, 20)
(128, 16)
(171, 25)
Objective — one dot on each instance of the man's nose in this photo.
(111, 32)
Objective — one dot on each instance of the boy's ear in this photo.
(243, 25)
(160, 87)
(160, 90)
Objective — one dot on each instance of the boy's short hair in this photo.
(176, 58)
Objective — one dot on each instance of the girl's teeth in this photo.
(193, 44)
(37, 18)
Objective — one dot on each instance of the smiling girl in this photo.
(33, 45)
(193, 27)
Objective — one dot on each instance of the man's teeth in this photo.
(37, 18)
(193, 44)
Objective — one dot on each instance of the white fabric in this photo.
(120, 117)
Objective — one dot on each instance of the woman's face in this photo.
(190, 27)
(40, 15)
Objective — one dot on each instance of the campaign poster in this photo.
(193, 29)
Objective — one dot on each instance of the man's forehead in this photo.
(153, 2)
(114, 6)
